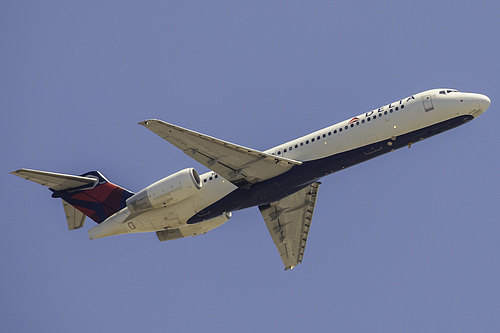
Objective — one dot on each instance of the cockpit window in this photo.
(444, 92)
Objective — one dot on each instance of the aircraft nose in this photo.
(484, 102)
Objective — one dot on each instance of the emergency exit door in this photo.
(427, 100)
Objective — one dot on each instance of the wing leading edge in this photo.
(55, 181)
(240, 165)
(289, 221)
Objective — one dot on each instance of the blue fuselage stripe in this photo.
(310, 171)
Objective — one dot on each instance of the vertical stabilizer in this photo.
(97, 201)
(90, 194)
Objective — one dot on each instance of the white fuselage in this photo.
(382, 125)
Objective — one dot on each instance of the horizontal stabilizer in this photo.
(74, 217)
(90, 194)
(56, 181)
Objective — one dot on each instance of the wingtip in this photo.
(149, 121)
(16, 172)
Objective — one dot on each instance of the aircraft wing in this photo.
(289, 221)
(56, 181)
(240, 165)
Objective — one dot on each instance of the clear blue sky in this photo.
(408, 242)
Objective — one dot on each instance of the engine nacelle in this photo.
(167, 191)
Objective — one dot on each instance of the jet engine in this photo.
(166, 191)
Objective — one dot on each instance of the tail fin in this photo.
(90, 194)
(97, 201)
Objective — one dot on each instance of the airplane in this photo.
(282, 181)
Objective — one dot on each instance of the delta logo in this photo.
(353, 120)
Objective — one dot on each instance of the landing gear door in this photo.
(199, 205)
(427, 100)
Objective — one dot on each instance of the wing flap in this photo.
(289, 221)
(240, 165)
(56, 181)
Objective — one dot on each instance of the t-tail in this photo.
(90, 194)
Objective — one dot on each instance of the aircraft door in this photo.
(427, 100)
